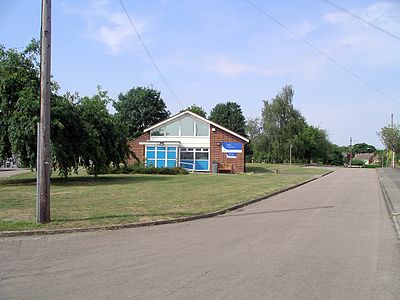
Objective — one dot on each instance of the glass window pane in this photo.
(202, 129)
(172, 129)
(201, 165)
(150, 162)
(160, 163)
(187, 126)
(160, 154)
(171, 163)
(187, 164)
(202, 155)
(161, 148)
(171, 148)
(171, 155)
(151, 154)
(151, 148)
(158, 132)
(187, 155)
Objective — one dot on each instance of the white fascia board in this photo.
(197, 117)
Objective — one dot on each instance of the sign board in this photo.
(231, 155)
(228, 147)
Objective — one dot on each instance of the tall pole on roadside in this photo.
(45, 93)
(393, 153)
(351, 154)
(290, 154)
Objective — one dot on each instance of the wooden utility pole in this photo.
(290, 155)
(45, 93)
(351, 154)
(393, 153)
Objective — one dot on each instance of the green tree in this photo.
(390, 136)
(138, 109)
(229, 115)
(19, 102)
(197, 110)
(316, 144)
(282, 127)
(104, 142)
(363, 148)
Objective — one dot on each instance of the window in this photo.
(186, 126)
(161, 157)
(172, 129)
(195, 158)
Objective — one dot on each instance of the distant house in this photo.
(189, 141)
(367, 158)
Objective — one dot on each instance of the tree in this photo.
(363, 148)
(197, 110)
(390, 136)
(19, 102)
(104, 142)
(282, 126)
(253, 131)
(316, 144)
(138, 109)
(229, 115)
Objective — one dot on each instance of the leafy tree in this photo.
(282, 126)
(334, 156)
(253, 132)
(363, 148)
(138, 109)
(197, 110)
(316, 144)
(104, 142)
(229, 115)
(390, 137)
(66, 134)
(19, 102)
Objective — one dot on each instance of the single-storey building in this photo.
(192, 142)
(367, 158)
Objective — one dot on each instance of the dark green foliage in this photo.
(104, 142)
(138, 109)
(230, 116)
(363, 148)
(141, 169)
(197, 110)
(19, 103)
(357, 162)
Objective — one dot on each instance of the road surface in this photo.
(329, 239)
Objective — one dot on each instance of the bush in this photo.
(372, 166)
(357, 162)
(141, 169)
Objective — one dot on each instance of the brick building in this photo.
(189, 141)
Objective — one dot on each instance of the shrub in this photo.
(357, 162)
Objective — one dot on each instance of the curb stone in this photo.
(160, 222)
(389, 207)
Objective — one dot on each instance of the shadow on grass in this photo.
(124, 216)
(90, 181)
(258, 170)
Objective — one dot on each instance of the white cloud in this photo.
(107, 26)
(360, 42)
(227, 67)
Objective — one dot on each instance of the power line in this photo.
(322, 53)
(361, 19)
(149, 54)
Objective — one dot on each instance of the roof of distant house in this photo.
(363, 156)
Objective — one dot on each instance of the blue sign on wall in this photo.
(231, 147)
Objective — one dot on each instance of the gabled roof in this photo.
(196, 116)
(363, 156)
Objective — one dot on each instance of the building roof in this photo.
(188, 112)
(364, 156)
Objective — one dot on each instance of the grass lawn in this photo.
(114, 199)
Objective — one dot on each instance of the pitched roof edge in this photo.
(199, 117)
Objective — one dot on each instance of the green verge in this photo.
(84, 201)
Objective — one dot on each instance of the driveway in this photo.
(5, 172)
(329, 239)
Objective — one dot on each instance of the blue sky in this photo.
(218, 51)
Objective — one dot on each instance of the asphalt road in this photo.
(330, 239)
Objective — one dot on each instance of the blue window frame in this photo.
(161, 157)
(197, 158)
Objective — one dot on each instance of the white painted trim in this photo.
(198, 117)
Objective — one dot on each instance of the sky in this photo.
(345, 73)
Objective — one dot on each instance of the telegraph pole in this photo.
(45, 92)
(290, 155)
(351, 155)
(393, 153)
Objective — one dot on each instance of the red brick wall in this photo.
(138, 150)
(219, 136)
